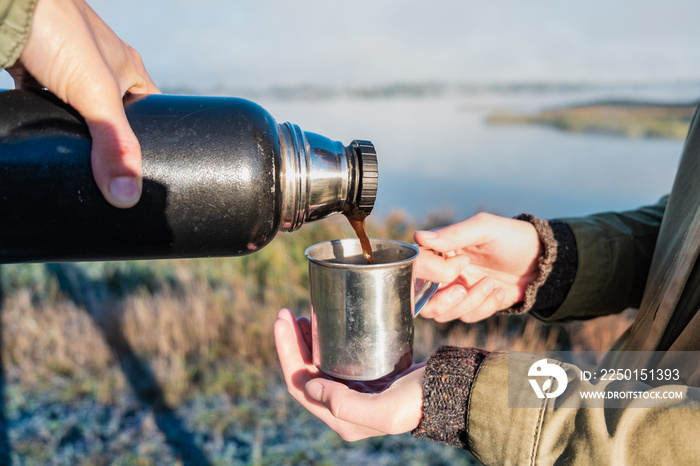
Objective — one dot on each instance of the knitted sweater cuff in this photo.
(557, 268)
(448, 378)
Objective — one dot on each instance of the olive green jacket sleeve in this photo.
(614, 257)
(658, 431)
(15, 24)
(485, 402)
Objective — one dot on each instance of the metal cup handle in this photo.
(425, 291)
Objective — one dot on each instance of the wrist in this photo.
(535, 250)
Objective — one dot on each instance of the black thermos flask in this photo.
(220, 178)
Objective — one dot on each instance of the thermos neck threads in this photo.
(319, 176)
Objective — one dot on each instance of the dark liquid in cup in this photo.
(357, 217)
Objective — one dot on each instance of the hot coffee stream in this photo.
(357, 217)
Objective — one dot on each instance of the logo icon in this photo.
(544, 369)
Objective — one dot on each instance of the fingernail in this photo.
(314, 390)
(124, 189)
(488, 286)
(457, 294)
(500, 295)
(427, 234)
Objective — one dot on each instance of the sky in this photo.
(256, 43)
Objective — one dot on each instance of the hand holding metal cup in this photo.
(362, 314)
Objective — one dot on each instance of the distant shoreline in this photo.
(418, 89)
(626, 118)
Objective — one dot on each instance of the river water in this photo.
(438, 155)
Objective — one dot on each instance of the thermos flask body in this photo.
(220, 178)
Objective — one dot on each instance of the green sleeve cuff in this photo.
(498, 434)
(15, 25)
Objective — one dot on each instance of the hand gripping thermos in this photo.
(220, 178)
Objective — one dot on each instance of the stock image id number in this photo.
(632, 374)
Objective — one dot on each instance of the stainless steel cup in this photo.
(362, 315)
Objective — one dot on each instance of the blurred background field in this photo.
(172, 362)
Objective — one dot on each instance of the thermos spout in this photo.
(319, 176)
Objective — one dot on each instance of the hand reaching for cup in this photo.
(352, 414)
(486, 262)
(75, 55)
